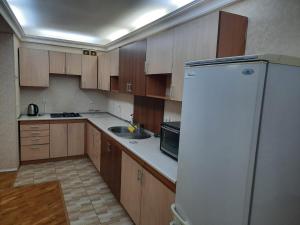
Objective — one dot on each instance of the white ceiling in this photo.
(88, 21)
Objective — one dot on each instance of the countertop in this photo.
(146, 149)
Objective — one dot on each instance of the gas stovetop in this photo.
(64, 114)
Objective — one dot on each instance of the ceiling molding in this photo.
(189, 12)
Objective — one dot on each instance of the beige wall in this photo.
(9, 153)
(63, 95)
(120, 105)
(274, 25)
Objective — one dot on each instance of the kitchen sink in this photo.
(122, 131)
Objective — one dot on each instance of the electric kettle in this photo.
(32, 110)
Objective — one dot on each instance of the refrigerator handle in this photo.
(177, 217)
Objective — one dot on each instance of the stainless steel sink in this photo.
(123, 131)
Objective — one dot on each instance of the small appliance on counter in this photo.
(169, 138)
(32, 110)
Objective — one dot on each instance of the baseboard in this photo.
(8, 170)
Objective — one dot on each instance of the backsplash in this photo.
(63, 95)
(120, 105)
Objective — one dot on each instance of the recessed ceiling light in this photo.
(149, 17)
(66, 35)
(19, 15)
(180, 3)
(117, 34)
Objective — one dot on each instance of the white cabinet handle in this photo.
(177, 217)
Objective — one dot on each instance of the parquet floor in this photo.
(87, 198)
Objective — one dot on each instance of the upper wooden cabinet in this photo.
(73, 64)
(57, 62)
(104, 71)
(159, 57)
(114, 62)
(89, 77)
(218, 34)
(34, 67)
(132, 68)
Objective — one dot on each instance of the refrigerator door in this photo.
(219, 129)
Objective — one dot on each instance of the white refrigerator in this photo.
(239, 151)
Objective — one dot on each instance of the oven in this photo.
(169, 138)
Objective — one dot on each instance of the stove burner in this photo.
(64, 114)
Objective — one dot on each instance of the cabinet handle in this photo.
(108, 147)
(129, 87)
(140, 176)
(36, 148)
(35, 133)
(146, 67)
(37, 139)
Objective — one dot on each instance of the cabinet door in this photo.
(125, 74)
(34, 67)
(57, 62)
(156, 201)
(114, 62)
(76, 138)
(105, 165)
(192, 41)
(159, 57)
(104, 71)
(97, 148)
(131, 188)
(89, 77)
(89, 140)
(58, 140)
(73, 64)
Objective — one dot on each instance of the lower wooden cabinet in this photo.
(76, 132)
(58, 140)
(94, 145)
(146, 199)
(110, 165)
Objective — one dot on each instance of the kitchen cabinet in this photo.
(89, 77)
(159, 54)
(73, 64)
(218, 34)
(114, 62)
(34, 141)
(58, 140)
(146, 199)
(132, 68)
(104, 71)
(76, 137)
(34, 67)
(131, 188)
(110, 165)
(94, 145)
(57, 61)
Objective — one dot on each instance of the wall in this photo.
(274, 25)
(63, 95)
(9, 153)
(120, 105)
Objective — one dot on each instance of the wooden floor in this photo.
(37, 204)
(7, 180)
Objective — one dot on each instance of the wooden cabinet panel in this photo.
(73, 64)
(89, 140)
(34, 152)
(58, 140)
(110, 165)
(159, 55)
(34, 67)
(33, 133)
(33, 127)
(156, 201)
(104, 71)
(131, 188)
(76, 138)
(114, 62)
(192, 41)
(132, 68)
(35, 140)
(89, 77)
(97, 149)
(57, 62)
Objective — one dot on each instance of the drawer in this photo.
(38, 133)
(33, 127)
(35, 140)
(33, 152)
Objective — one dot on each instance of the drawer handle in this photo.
(35, 133)
(35, 148)
(37, 139)
(34, 127)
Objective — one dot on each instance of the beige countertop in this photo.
(146, 149)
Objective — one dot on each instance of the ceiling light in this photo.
(149, 17)
(180, 3)
(116, 35)
(19, 15)
(66, 35)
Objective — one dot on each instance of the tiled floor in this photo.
(88, 199)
